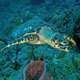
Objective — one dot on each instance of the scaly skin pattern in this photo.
(45, 36)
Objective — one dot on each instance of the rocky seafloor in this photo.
(62, 16)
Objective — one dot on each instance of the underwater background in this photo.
(39, 62)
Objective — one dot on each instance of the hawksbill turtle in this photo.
(42, 35)
(45, 36)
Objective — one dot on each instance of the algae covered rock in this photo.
(63, 21)
(66, 66)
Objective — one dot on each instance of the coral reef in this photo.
(18, 17)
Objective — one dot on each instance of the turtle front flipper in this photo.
(25, 39)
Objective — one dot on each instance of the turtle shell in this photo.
(32, 25)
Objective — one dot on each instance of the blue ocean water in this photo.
(39, 39)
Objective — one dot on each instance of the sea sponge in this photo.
(35, 70)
